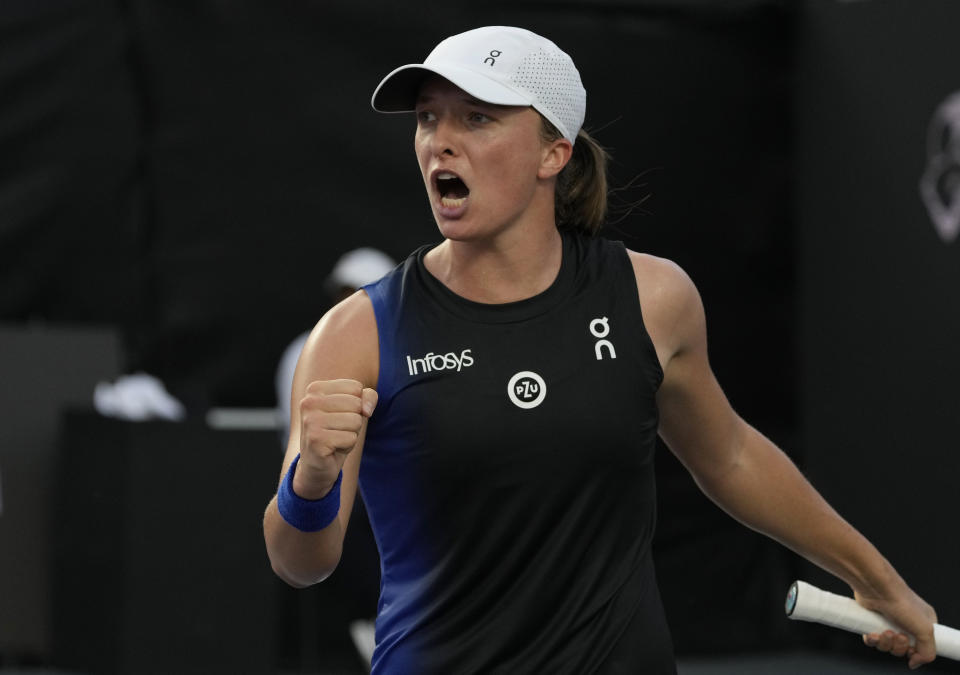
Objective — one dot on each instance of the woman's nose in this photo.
(445, 137)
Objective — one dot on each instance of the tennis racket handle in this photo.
(809, 603)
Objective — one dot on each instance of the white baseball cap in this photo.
(359, 267)
(500, 65)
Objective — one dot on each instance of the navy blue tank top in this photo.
(508, 475)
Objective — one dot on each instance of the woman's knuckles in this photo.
(327, 441)
(320, 423)
(322, 387)
(330, 403)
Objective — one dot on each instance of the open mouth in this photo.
(453, 191)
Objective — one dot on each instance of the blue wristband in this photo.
(307, 515)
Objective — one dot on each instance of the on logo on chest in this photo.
(600, 328)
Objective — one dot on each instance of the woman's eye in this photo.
(479, 117)
(425, 116)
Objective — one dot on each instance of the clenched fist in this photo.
(331, 416)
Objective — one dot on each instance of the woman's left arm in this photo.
(751, 478)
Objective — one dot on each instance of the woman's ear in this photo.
(555, 156)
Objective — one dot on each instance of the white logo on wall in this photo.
(940, 183)
(526, 389)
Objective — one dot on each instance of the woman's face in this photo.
(482, 164)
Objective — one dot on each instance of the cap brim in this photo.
(398, 91)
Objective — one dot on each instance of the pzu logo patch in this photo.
(526, 389)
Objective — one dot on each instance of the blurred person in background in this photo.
(354, 269)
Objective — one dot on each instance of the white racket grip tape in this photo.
(809, 603)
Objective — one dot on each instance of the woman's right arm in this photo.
(332, 398)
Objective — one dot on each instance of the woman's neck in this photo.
(512, 267)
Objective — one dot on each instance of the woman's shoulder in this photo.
(660, 282)
(668, 297)
(660, 277)
(353, 313)
(344, 342)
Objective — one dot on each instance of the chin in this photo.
(459, 230)
(468, 229)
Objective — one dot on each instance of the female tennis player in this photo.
(497, 398)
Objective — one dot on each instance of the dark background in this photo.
(177, 179)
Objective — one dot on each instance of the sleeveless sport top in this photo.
(508, 475)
